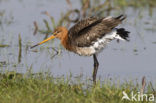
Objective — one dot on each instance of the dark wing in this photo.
(74, 30)
(85, 32)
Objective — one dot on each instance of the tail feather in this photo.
(123, 33)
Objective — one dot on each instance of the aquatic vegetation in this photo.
(3, 45)
(20, 48)
(135, 3)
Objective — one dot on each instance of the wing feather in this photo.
(87, 31)
(74, 30)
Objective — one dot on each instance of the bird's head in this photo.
(59, 33)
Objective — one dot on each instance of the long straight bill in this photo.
(51, 37)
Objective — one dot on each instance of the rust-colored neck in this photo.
(64, 42)
(63, 36)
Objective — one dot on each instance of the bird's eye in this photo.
(58, 32)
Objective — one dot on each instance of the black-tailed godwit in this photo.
(89, 36)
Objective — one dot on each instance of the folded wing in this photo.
(87, 31)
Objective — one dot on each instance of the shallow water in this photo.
(133, 59)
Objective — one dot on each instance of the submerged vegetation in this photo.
(43, 88)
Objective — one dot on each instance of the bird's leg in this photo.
(96, 65)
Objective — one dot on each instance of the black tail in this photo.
(123, 33)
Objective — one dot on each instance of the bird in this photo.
(90, 36)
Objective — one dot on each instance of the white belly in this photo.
(93, 49)
(98, 45)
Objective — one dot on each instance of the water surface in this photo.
(132, 59)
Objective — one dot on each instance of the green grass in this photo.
(42, 88)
